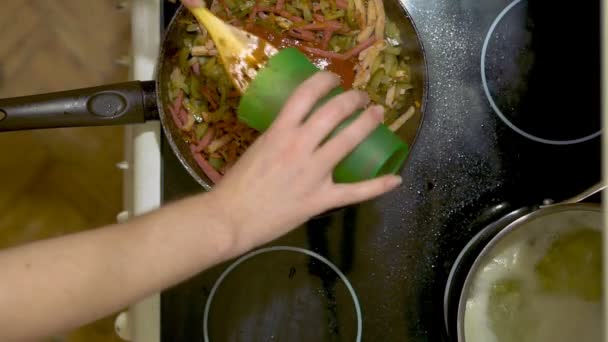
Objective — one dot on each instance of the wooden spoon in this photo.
(243, 54)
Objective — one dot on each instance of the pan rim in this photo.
(496, 239)
(161, 105)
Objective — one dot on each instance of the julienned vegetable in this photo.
(352, 38)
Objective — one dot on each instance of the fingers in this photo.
(332, 113)
(347, 194)
(333, 151)
(193, 3)
(304, 98)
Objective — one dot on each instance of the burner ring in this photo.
(495, 107)
(246, 257)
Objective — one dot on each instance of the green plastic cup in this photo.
(381, 153)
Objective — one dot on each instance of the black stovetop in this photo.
(541, 75)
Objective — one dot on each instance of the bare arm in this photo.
(55, 285)
(51, 286)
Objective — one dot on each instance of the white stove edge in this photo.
(604, 52)
(142, 166)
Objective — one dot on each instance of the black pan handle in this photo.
(118, 104)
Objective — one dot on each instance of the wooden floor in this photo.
(60, 181)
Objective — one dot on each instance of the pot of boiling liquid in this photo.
(538, 279)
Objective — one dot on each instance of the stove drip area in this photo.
(539, 71)
(282, 293)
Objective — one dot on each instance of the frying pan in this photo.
(140, 101)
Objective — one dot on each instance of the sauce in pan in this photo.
(344, 68)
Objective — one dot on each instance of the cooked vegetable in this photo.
(403, 119)
(204, 141)
(350, 37)
(203, 51)
(560, 271)
(381, 20)
(361, 14)
(209, 170)
(368, 58)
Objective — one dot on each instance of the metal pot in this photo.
(137, 102)
(511, 228)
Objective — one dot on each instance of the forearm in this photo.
(282, 180)
(55, 285)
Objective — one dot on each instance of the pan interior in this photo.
(175, 32)
(539, 282)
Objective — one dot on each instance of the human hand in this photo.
(285, 177)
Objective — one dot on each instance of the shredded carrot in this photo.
(331, 24)
(302, 35)
(342, 4)
(282, 13)
(207, 168)
(327, 34)
(209, 96)
(318, 17)
(176, 119)
(179, 100)
(360, 47)
(235, 22)
(291, 17)
(344, 30)
(228, 12)
(205, 140)
(324, 53)
(183, 116)
(280, 5)
(254, 12)
(348, 55)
